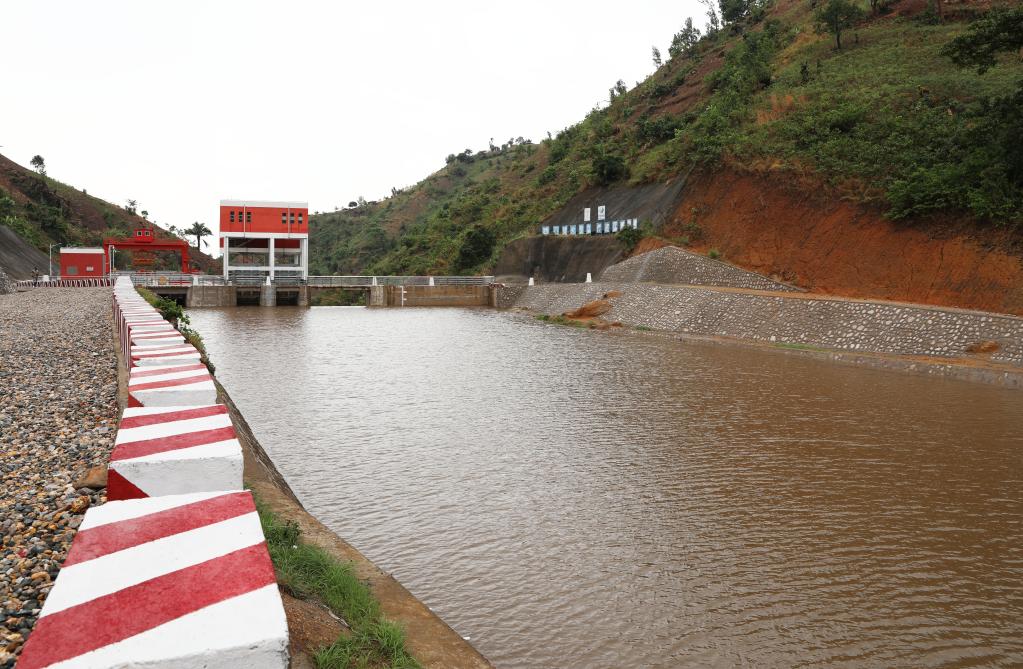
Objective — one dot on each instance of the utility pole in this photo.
(49, 258)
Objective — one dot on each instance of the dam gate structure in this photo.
(381, 291)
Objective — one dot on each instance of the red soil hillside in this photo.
(770, 225)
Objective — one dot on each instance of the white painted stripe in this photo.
(248, 631)
(173, 477)
(172, 376)
(217, 449)
(151, 343)
(149, 411)
(118, 511)
(145, 351)
(172, 428)
(199, 394)
(84, 581)
(149, 363)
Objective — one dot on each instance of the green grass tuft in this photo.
(309, 572)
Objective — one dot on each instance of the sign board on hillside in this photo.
(586, 214)
(600, 212)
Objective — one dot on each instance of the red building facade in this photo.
(264, 239)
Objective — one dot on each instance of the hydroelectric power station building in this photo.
(262, 240)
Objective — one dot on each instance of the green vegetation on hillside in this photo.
(44, 211)
(888, 119)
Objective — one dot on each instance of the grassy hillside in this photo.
(887, 121)
(44, 211)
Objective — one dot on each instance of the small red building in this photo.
(81, 263)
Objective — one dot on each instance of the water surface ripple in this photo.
(568, 498)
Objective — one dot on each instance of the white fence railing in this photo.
(364, 281)
(64, 283)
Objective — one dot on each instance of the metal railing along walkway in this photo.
(364, 281)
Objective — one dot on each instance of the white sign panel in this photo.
(586, 214)
(545, 230)
(600, 213)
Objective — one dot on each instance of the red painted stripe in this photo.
(136, 449)
(170, 416)
(123, 614)
(105, 539)
(119, 487)
(188, 380)
(141, 354)
(167, 370)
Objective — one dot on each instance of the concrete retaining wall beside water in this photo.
(844, 325)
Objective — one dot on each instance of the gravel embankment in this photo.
(58, 417)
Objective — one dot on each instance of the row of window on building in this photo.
(285, 217)
(604, 228)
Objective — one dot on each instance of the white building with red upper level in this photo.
(261, 240)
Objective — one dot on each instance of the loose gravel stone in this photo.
(58, 414)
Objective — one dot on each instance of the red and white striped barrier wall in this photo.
(164, 583)
(66, 283)
(176, 354)
(174, 450)
(172, 385)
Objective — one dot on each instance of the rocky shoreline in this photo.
(58, 419)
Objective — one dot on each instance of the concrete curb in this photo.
(174, 450)
(173, 570)
(171, 385)
(181, 580)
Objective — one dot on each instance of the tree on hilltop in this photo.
(39, 164)
(656, 53)
(685, 40)
(837, 16)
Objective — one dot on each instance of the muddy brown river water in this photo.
(568, 498)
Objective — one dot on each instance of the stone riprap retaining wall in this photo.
(173, 571)
(843, 325)
(672, 265)
(58, 415)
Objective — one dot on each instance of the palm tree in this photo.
(198, 230)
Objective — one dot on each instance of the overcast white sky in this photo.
(181, 104)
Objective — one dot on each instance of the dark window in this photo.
(232, 216)
(284, 218)
(248, 217)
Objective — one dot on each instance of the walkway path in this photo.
(58, 413)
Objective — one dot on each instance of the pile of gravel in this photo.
(672, 265)
(6, 285)
(58, 417)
